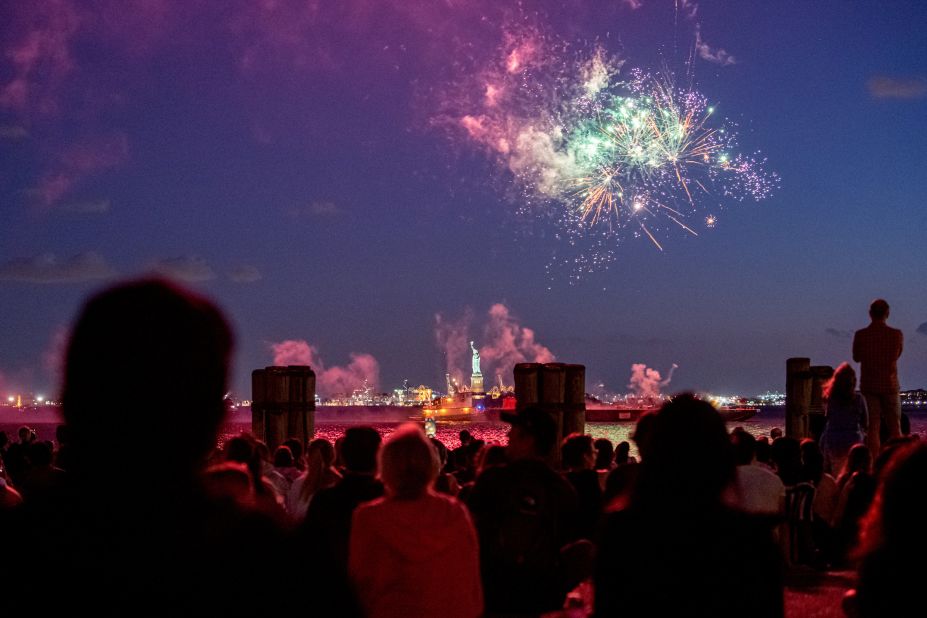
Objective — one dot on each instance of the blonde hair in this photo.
(408, 462)
(842, 385)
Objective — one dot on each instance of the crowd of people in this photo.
(113, 518)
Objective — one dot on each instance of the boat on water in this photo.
(465, 407)
(598, 411)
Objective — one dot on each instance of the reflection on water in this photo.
(449, 431)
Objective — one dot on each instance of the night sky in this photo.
(289, 160)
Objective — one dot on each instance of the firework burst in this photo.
(606, 153)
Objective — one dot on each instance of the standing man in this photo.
(876, 348)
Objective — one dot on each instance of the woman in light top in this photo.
(847, 418)
(403, 544)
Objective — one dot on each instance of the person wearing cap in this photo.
(877, 348)
(525, 514)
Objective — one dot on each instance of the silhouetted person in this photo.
(893, 545)
(446, 483)
(41, 476)
(525, 513)
(876, 348)
(604, 454)
(785, 454)
(847, 418)
(763, 455)
(856, 488)
(466, 463)
(267, 498)
(132, 531)
(623, 453)
(328, 520)
(825, 500)
(296, 448)
(687, 553)
(15, 458)
(414, 552)
(9, 497)
(457, 457)
(757, 489)
(320, 473)
(577, 456)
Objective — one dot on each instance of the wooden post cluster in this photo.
(804, 398)
(559, 388)
(283, 404)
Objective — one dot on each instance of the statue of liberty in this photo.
(476, 359)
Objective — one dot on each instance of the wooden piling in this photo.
(797, 397)
(574, 400)
(527, 385)
(283, 404)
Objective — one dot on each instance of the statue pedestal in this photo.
(476, 385)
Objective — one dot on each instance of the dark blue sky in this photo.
(283, 159)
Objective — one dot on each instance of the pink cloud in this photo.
(507, 342)
(504, 343)
(453, 338)
(39, 54)
(363, 368)
(646, 383)
(75, 163)
(885, 87)
(294, 352)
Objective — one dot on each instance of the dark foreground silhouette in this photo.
(132, 529)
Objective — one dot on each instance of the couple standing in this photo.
(874, 412)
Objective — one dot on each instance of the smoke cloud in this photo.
(885, 87)
(453, 337)
(715, 55)
(48, 268)
(508, 343)
(333, 380)
(505, 342)
(646, 382)
(54, 355)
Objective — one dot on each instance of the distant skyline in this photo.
(294, 162)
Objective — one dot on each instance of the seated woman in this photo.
(403, 545)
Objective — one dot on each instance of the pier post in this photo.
(283, 404)
(527, 385)
(797, 397)
(816, 419)
(558, 388)
(574, 400)
(553, 382)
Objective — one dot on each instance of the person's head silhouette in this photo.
(146, 360)
(689, 459)
(878, 310)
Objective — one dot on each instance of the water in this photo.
(495, 432)
(448, 431)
